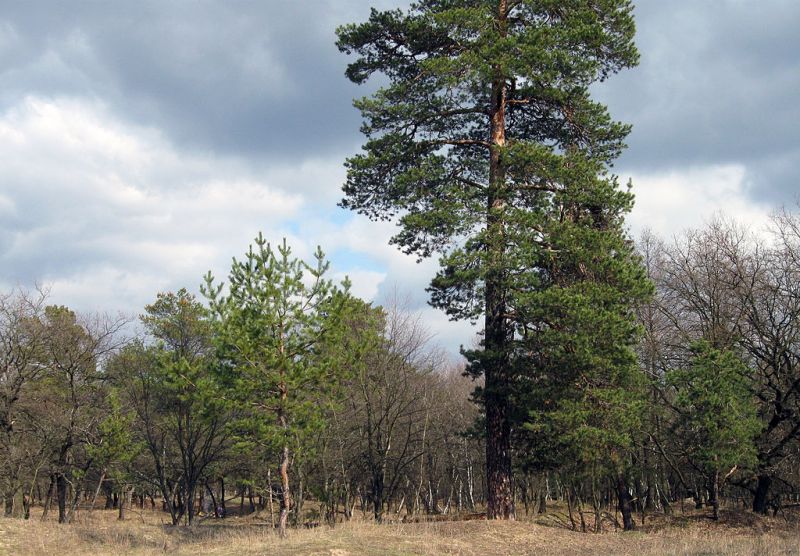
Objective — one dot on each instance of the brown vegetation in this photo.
(147, 532)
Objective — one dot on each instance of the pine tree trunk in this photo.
(286, 498)
(252, 502)
(500, 499)
(499, 477)
(122, 507)
(715, 495)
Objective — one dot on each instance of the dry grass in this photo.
(99, 533)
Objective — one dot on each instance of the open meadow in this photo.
(147, 532)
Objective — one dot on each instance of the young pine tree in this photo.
(717, 421)
(273, 321)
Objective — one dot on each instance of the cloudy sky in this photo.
(144, 143)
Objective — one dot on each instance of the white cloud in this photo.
(670, 202)
(110, 213)
(365, 283)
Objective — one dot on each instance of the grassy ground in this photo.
(99, 533)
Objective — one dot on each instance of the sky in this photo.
(145, 143)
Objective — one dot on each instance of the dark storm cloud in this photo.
(717, 84)
(257, 78)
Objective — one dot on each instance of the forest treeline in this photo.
(278, 391)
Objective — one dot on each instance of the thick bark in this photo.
(8, 510)
(625, 503)
(761, 496)
(500, 495)
(499, 477)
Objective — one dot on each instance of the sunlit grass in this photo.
(145, 532)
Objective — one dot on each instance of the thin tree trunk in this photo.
(222, 495)
(271, 506)
(76, 499)
(49, 497)
(97, 490)
(250, 495)
(542, 502)
(213, 499)
(569, 508)
(27, 495)
(377, 495)
(715, 495)
(122, 506)
(299, 500)
(286, 498)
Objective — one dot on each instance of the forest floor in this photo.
(145, 532)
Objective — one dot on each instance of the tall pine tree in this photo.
(486, 145)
